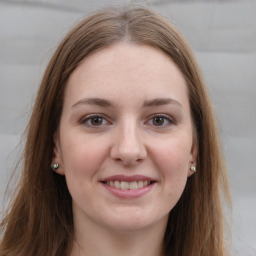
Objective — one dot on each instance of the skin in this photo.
(125, 139)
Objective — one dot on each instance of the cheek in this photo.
(82, 160)
(172, 159)
(82, 156)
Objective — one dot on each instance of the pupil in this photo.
(158, 121)
(97, 121)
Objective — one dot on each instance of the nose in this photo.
(128, 147)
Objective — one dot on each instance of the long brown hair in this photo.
(39, 220)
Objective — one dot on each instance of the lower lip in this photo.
(129, 193)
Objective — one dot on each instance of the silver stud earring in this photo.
(193, 168)
(55, 166)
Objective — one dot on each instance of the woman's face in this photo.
(125, 139)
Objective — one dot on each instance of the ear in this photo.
(56, 155)
(193, 157)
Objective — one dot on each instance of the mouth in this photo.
(123, 182)
(128, 185)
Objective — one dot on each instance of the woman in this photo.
(122, 153)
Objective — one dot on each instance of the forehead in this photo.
(136, 70)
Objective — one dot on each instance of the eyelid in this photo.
(167, 117)
(84, 119)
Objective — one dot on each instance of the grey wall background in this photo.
(223, 36)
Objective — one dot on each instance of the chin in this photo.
(132, 223)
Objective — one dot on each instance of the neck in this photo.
(94, 240)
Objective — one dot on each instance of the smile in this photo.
(128, 187)
(125, 185)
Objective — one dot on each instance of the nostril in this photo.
(131, 162)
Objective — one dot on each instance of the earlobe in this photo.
(57, 165)
(193, 157)
(57, 168)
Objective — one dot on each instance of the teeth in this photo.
(140, 184)
(133, 185)
(117, 184)
(124, 185)
(128, 185)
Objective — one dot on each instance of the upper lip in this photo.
(127, 178)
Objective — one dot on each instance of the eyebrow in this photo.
(160, 102)
(105, 103)
(94, 101)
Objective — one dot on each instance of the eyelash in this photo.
(85, 120)
(90, 118)
(167, 118)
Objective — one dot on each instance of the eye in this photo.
(94, 121)
(160, 121)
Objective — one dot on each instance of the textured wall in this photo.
(223, 36)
